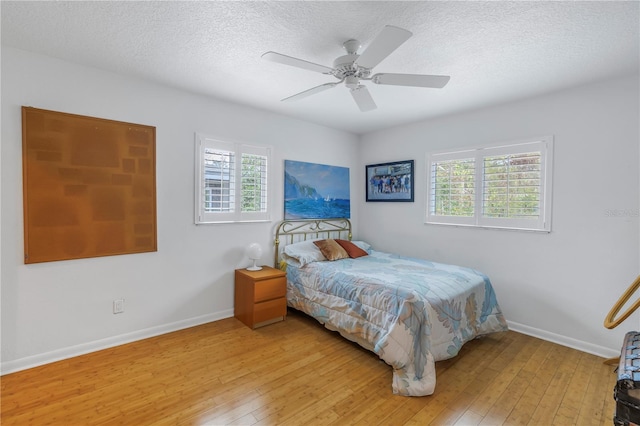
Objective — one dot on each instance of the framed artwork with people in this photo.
(390, 181)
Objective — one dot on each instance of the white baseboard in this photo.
(590, 348)
(85, 348)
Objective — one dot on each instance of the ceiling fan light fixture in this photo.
(352, 82)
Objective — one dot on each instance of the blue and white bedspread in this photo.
(410, 312)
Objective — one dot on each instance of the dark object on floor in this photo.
(627, 388)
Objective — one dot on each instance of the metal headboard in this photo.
(293, 231)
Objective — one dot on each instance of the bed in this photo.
(410, 312)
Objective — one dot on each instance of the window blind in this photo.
(232, 181)
(254, 183)
(497, 186)
(511, 185)
(453, 187)
(219, 180)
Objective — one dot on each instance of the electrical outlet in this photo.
(118, 306)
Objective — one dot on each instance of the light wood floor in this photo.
(298, 373)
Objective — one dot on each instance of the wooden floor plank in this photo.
(550, 402)
(590, 410)
(297, 372)
(575, 392)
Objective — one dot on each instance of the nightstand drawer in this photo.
(271, 309)
(270, 289)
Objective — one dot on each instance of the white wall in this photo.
(560, 285)
(57, 309)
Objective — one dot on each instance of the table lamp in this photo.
(254, 252)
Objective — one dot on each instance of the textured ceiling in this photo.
(493, 51)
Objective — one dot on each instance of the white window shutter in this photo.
(231, 181)
(510, 185)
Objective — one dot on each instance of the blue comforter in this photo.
(410, 312)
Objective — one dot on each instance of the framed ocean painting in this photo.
(315, 191)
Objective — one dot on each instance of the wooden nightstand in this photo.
(260, 296)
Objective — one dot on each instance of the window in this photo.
(231, 181)
(506, 186)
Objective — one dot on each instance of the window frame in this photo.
(544, 145)
(203, 142)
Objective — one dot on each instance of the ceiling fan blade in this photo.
(295, 62)
(388, 40)
(414, 80)
(363, 98)
(310, 92)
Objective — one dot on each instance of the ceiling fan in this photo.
(353, 68)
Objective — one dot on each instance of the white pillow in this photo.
(299, 254)
(364, 246)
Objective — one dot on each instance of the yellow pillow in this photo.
(331, 250)
(283, 265)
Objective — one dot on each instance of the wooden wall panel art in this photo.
(89, 186)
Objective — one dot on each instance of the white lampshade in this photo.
(254, 252)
